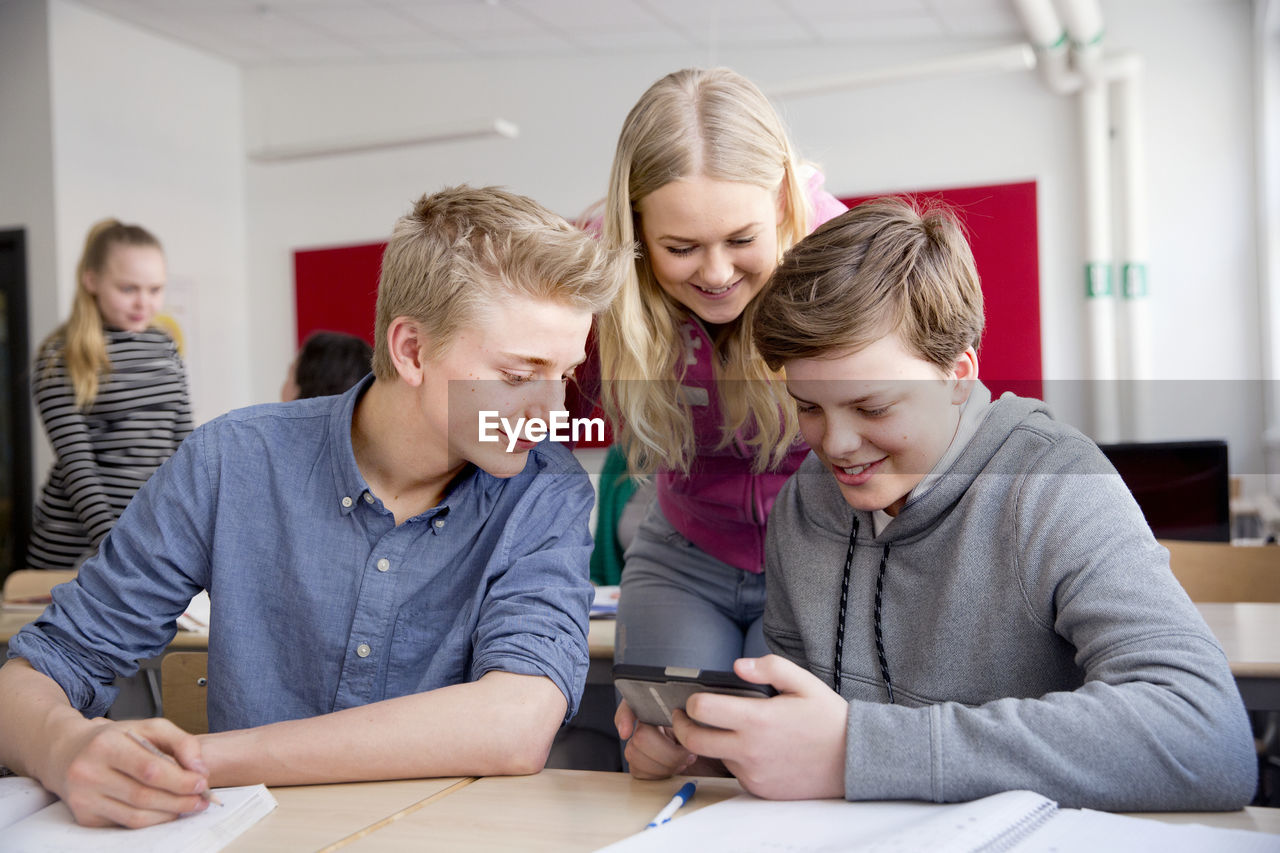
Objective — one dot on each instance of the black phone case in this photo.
(652, 692)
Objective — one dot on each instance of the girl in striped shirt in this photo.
(111, 392)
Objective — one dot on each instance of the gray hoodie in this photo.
(1032, 631)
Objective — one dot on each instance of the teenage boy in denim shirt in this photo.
(392, 596)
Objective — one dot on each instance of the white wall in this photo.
(1200, 173)
(569, 113)
(1267, 99)
(26, 160)
(150, 131)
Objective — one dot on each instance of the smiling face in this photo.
(880, 418)
(712, 244)
(514, 359)
(129, 289)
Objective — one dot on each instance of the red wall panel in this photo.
(1001, 224)
(336, 288)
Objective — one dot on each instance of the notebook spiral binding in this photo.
(1013, 835)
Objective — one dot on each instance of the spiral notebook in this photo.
(1016, 821)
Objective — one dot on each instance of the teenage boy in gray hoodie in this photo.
(963, 596)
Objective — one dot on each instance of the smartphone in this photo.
(653, 691)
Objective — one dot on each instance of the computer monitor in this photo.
(1183, 487)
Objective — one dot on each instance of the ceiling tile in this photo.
(634, 40)
(979, 18)
(819, 11)
(264, 31)
(522, 44)
(365, 22)
(739, 22)
(601, 17)
(468, 17)
(426, 47)
(882, 29)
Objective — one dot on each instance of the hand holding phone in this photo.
(652, 692)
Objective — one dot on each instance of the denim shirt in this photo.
(320, 601)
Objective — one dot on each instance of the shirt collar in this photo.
(349, 484)
(473, 486)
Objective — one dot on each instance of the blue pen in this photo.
(682, 796)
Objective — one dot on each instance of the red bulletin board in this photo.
(1000, 221)
(336, 289)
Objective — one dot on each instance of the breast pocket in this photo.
(430, 648)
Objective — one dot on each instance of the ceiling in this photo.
(283, 32)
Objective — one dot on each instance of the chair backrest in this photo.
(1217, 571)
(32, 586)
(184, 688)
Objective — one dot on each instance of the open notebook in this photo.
(1019, 821)
(34, 821)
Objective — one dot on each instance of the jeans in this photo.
(679, 606)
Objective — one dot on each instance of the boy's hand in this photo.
(107, 778)
(652, 752)
(787, 747)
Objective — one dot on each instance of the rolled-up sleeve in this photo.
(534, 618)
(123, 605)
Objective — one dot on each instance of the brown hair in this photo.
(84, 346)
(889, 265)
(464, 248)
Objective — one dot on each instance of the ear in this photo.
(964, 372)
(89, 279)
(408, 348)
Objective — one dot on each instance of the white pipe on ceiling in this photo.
(1100, 303)
(1049, 38)
(1082, 19)
(1068, 35)
(1126, 73)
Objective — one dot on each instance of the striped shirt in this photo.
(104, 455)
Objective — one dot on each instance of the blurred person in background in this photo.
(112, 394)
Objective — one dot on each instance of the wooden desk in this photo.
(556, 810)
(1250, 635)
(316, 817)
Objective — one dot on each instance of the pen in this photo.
(682, 796)
(150, 747)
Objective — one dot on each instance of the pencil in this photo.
(150, 747)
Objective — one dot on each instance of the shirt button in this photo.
(346, 503)
(363, 650)
(368, 497)
(439, 523)
(384, 564)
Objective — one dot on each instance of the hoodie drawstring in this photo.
(844, 605)
(884, 662)
(844, 612)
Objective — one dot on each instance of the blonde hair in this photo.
(694, 122)
(84, 344)
(464, 248)
(886, 266)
